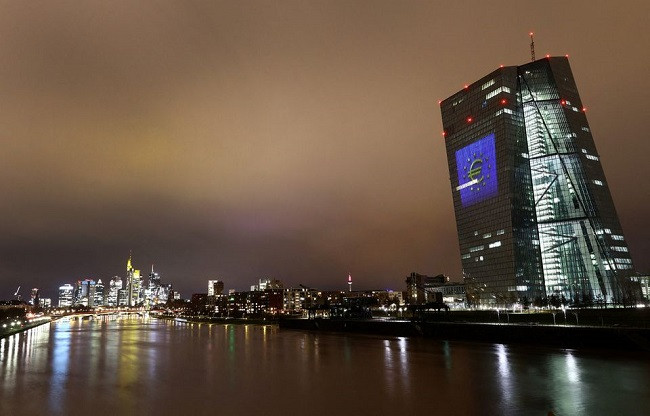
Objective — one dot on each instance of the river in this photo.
(145, 366)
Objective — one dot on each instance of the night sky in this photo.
(299, 140)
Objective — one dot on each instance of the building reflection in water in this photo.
(396, 365)
(446, 352)
(134, 366)
(60, 340)
(505, 382)
(18, 355)
(572, 372)
(404, 363)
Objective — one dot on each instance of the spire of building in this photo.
(129, 267)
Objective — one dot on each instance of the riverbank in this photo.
(218, 320)
(529, 332)
(560, 336)
(10, 330)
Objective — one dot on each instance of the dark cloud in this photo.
(298, 140)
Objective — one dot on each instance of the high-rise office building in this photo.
(34, 298)
(65, 295)
(215, 287)
(122, 297)
(265, 284)
(154, 281)
(133, 284)
(114, 286)
(156, 292)
(534, 214)
(419, 287)
(84, 293)
(99, 294)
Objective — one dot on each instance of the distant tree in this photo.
(499, 298)
(554, 301)
(472, 290)
(575, 300)
(539, 302)
(630, 291)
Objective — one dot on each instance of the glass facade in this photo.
(534, 215)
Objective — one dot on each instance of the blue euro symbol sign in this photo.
(475, 170)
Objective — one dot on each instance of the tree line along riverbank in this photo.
(622, 329)
(561, 336)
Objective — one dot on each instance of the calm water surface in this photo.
(146, 366)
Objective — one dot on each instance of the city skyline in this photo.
(297, 141)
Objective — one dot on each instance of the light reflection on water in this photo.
(59, 364)
(505, 383)
(130, 366)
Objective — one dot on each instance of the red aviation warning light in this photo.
(470, 119)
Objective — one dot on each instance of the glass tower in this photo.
(535, 218)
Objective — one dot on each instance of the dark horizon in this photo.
(299, 141)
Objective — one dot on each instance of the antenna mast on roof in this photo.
(532, 47)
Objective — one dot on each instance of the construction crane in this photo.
(16, 295)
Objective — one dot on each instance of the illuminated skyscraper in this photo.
(99, 293)
(267, 284)
(133, 284)
(114, 286)
(122, 297)
(34, 298)
(65, 295)
(156, 292)
(534, 213)
(84, 293)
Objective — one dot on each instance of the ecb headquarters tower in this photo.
(534, 214)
